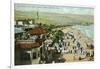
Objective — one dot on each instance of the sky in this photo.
(54, 9)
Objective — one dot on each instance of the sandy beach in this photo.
(85, 43)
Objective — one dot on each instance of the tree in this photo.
(58, 35)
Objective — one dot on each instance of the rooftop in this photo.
(37, 31)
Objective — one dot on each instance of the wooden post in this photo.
(31, 56)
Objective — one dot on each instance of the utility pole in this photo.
(37, 16)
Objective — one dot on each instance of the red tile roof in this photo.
(37, 31)
(28, 45)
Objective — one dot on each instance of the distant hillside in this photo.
(55, 18)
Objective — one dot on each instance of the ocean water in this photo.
(87, 30)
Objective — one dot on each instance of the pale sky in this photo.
(54, 9)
